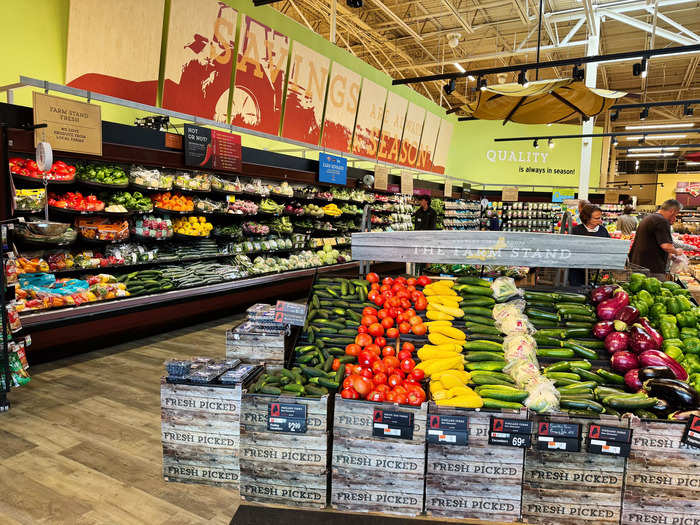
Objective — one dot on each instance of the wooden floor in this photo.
(81, 443)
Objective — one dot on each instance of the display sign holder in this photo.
(332, 169)
(509, 432)
(448, 430)
(691, 435)
(212, 149)
(286, 417)
(392, 424)
(565, 437)
(609, 441)
(290, 313)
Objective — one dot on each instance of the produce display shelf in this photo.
(40, 182)
(103, 186)
(82, 312)
(190, 191)
(166, 211)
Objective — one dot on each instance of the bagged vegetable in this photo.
(543, 397)
(503, 310)
(504, 288)
(516, 324)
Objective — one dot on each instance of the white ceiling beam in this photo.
(590, 17)
(633, 22)
(572, 32)
(397, 19)
(461, 21)
(522, 44)
(675, 24)
(521, 12)
(617, 7)
(301, 15)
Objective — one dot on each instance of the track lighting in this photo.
(578, 74)
(640, 68)
(614, 115)
(481, 83)
(522, 78)
(688, 111)
(614, 141)
(644, 68)
(356, 4)
(644, 114)
(450, 86)
(550, 143)
(535, 143)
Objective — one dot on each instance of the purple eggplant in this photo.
(603, 328)
(656, 372)
(683, 415)
(627, 314)
(661, 408)
(678, 394)
(602, 293)
(632, 381)
(607, 310)
(658, 358)
(656, 336)
(640, 340)
(622, 362)
(616, 342)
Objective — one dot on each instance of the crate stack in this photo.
(259, 339)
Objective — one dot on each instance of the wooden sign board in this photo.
(492, 248)
(448, 188)
(509, 194)
(612, 197)
(406, 183)
(381, 177)
(71, 125)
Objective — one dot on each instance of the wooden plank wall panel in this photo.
(662, 482)
(478, 481)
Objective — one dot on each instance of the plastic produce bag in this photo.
(520, 347)
(503, 310)
(504, 288)
(680, 264)
(543, 397)
(516, 324)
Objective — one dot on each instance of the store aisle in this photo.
(81, 444)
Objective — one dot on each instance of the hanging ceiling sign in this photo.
(381, 177)
(70, 125)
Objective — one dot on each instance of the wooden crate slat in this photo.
(198, 418)
(216, 473)
(293, 452)
(261, 485)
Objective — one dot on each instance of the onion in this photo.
(616, 342)
(622, 362)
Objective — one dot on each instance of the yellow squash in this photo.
(428, 324)
(462, 375)
(434, 315)
(448, 331)
(449, 310)
(426, 355)
(462, 402)
(438, 338)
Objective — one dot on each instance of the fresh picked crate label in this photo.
(664, 479)
(611, 441)
(192, 472)
(288, 455)
(590, 512)
(496, 506)
(199, 438)
(392, 423)
(691, 435)
(448, 430)
(510, 432)
(559, 436)
(214, 405)
(345, 495)
(582, 477)
(286, 417)
(658, 517)
(289, 493)
(499, 470)
(346, 459)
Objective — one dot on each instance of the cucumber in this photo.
(336, 351)
(630, 401)
(334, 385)
(486, 365)
(483, 356)
(316, 390)
(483, 345)
(482, 328)
(313, 372)
(497, 403)
(304, 349)
(272, 390)
(293, 387)
(588, 375)
(305, 358)
(555, 353)
(581, 350)
(504, 395)
(477, 310)
(610, 377)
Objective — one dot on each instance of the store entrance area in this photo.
(82, 444)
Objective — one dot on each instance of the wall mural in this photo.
(392, 129)
(260, 74)
(199, 58)
(101, 35)
(341, 108)
(426, 151)
(442, 147)
(369, 119)
(306, 91)
(411, 135)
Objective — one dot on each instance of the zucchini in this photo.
(563, 375)
(610, 377)
(588, 375)
(486, 365)
(556, 353)
(504, 395)
(497, 403)
(541, 314)
(486, 320)
(594, 344)
(581, 350)
(540, 296)
(630, 401)
(486, 337)
(582, 404)
(571, 297)
(546, 340)
(469, 289)
(474, 281)
(481, 328)
(543, 323)
(484, 356)
(483, 345)
(477, 310)
(477, 301)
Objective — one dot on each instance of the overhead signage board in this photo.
(562, 195)
(70, 125)
(448, 188)
(509, 194)
(213, 149)
(381, 177)
(332, 169)
(406, 183)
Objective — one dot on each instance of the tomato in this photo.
(394, 380)
(387, 294)
(401, 399)
(419, 329)
(379, 378)
(410, 383)
(401, 318)
(382, 314)
(374, 286)
(394, 302)
(392, 333)
(403, 294)
(411, 281)
(372, 295)
(387, 322)
(369, 311)
(408, 346)
(378, 366)
(380, 341)
(410, 290)
(336, 364)
(366, 358)
(424, 280)
(392, 312)
(362, 329)
(414, 399)
(405, 304)
(417, 374)
(387, 281)
(372, 277)
(391, 396)
(349, 393)
(375, 329)
(385, 288)
(363, 340)
(397, 287)
(420, 304)
(404, 354)
(362, 385)
(347, 382)
(388, 351)
(410, 313)
(383, 387)
(407, 365)
(369, 319)
(376, 396)
(374, 348)
(367, 373)
(404, 328)
(353, 349)
(400, 389)
(379, 300)
(413, 321)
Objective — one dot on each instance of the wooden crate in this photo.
(372, 474)
(284, 468)
(256, 347)
(478, 481)
(572, 487)
(662, 482)
(200, 433)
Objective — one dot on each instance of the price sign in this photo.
(691, 436)
(510, 432)
(609, 441)
(559, 436)
(391, 423)
(290, 313)
(286, 417)
(209, 148)
(448, 430)
(332, 169)
(509, 194)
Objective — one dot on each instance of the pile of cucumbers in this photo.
(588, 393)
(196, 274)
(297, 382)
(146, 282)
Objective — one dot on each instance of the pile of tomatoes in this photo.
(29, 168)
(383, 372)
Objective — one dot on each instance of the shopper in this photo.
(582, 203)
(425, 217)
(591, 226)
(494, 221)
(653, 242)
(627, 223)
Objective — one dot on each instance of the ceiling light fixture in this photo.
(470, 78)
(459, 67)
(661, 126)
(550, 143)
(522, 79)
(656, 137)
(644, 114)
(535, 143)
(578, 74)
(652, 148)
(650, 154)
(691, 163)
(614, 115)
(355, 4)
(482, 83)
(614, 141)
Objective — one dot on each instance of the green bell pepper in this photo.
(684, 303)
(673, 307)
(637, 278)
(694, 380)
(674, 352)
(642, 307)
(692, 345)
(673, 342)
(687, 319)
(692, 362)
(645, 297)
(670, 285)
(652, 285)
(669, 330)
(682, 291)
(688, 332)
(665, 292)
(657, 310)
(668, 318)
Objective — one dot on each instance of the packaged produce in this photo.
(207, 206)
(32, 265)
(30, 199)
(254, 228)
(283, 189)
(76, 201)
(152, 179)
(10, 269)
(130, 253)
(178, 368)
(194, 226)
(256, 187)
(242, 207)
(60, 171)
(13, 317)
(131, 201)
(173, 202)
(504, 288)
(225, 185)
(271, 207)
(108, 175)
(192, 181)
(102, 229)
(153, 227)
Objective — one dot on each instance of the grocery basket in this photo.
(597, 276)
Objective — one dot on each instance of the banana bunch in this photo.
(270, 206)
(443, 301)
(332, 210)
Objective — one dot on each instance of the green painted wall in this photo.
(475, 156)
